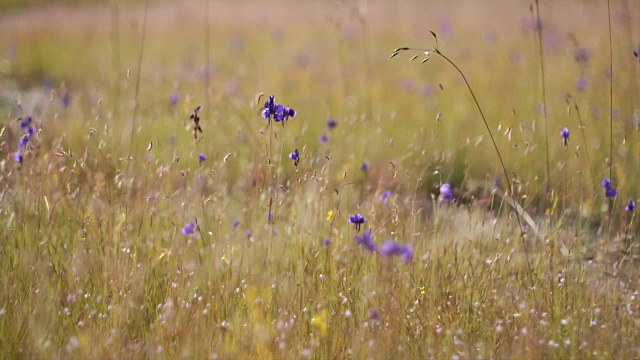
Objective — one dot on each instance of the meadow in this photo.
(156, 204)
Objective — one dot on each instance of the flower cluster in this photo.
(385, 196)
(29, 130)
(390, 248)
(609, 191)
(366, 240)
(277, 112)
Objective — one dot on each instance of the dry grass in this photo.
(93, 260)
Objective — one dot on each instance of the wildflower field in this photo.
(299, 179)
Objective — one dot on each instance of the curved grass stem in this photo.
(544, 102)
(427, 53)
(610, 113)
(138, 76)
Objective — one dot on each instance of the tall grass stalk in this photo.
(539, 28)
(136, 99)
(115, 58)
(207, 51)
(611, 203)
(610, 92)
(426, 53)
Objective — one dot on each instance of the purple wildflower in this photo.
(269, 215)
(324, 139)
(65, 99)
(609, 191)
(490, 36)
(357, 220)
(385, 196)
(409, 85)
(302, 60)
(24, 140)
(536, 25)
(373, 314)
(204, 73)
(277, 112)
(269, 107)
(582, 84)
(445, 29)
(445, 193)
(202, 158)
(582, 55)
(564, 133)
(496, 182)
(173, 99)
(407, 254)
(427, 89)
(366, 240)
(326, 242)
(280, 113)
(295, 156)
(26, 122)
(532, 25)
(390, 248)
(365, 166)
(47, 83)
(18, 157)
(331, 124)
(190, 228)
(235, 224)
(631, 206)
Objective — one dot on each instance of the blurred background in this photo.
(74, 64)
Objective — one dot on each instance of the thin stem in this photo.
(584, 140)
(275, 195)
(207, 50)
(495, 145)
(138, 75)
(610, 95)
(544, 94)
(200, 180)
(610, 112)
(137, 92)
(115, 58)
